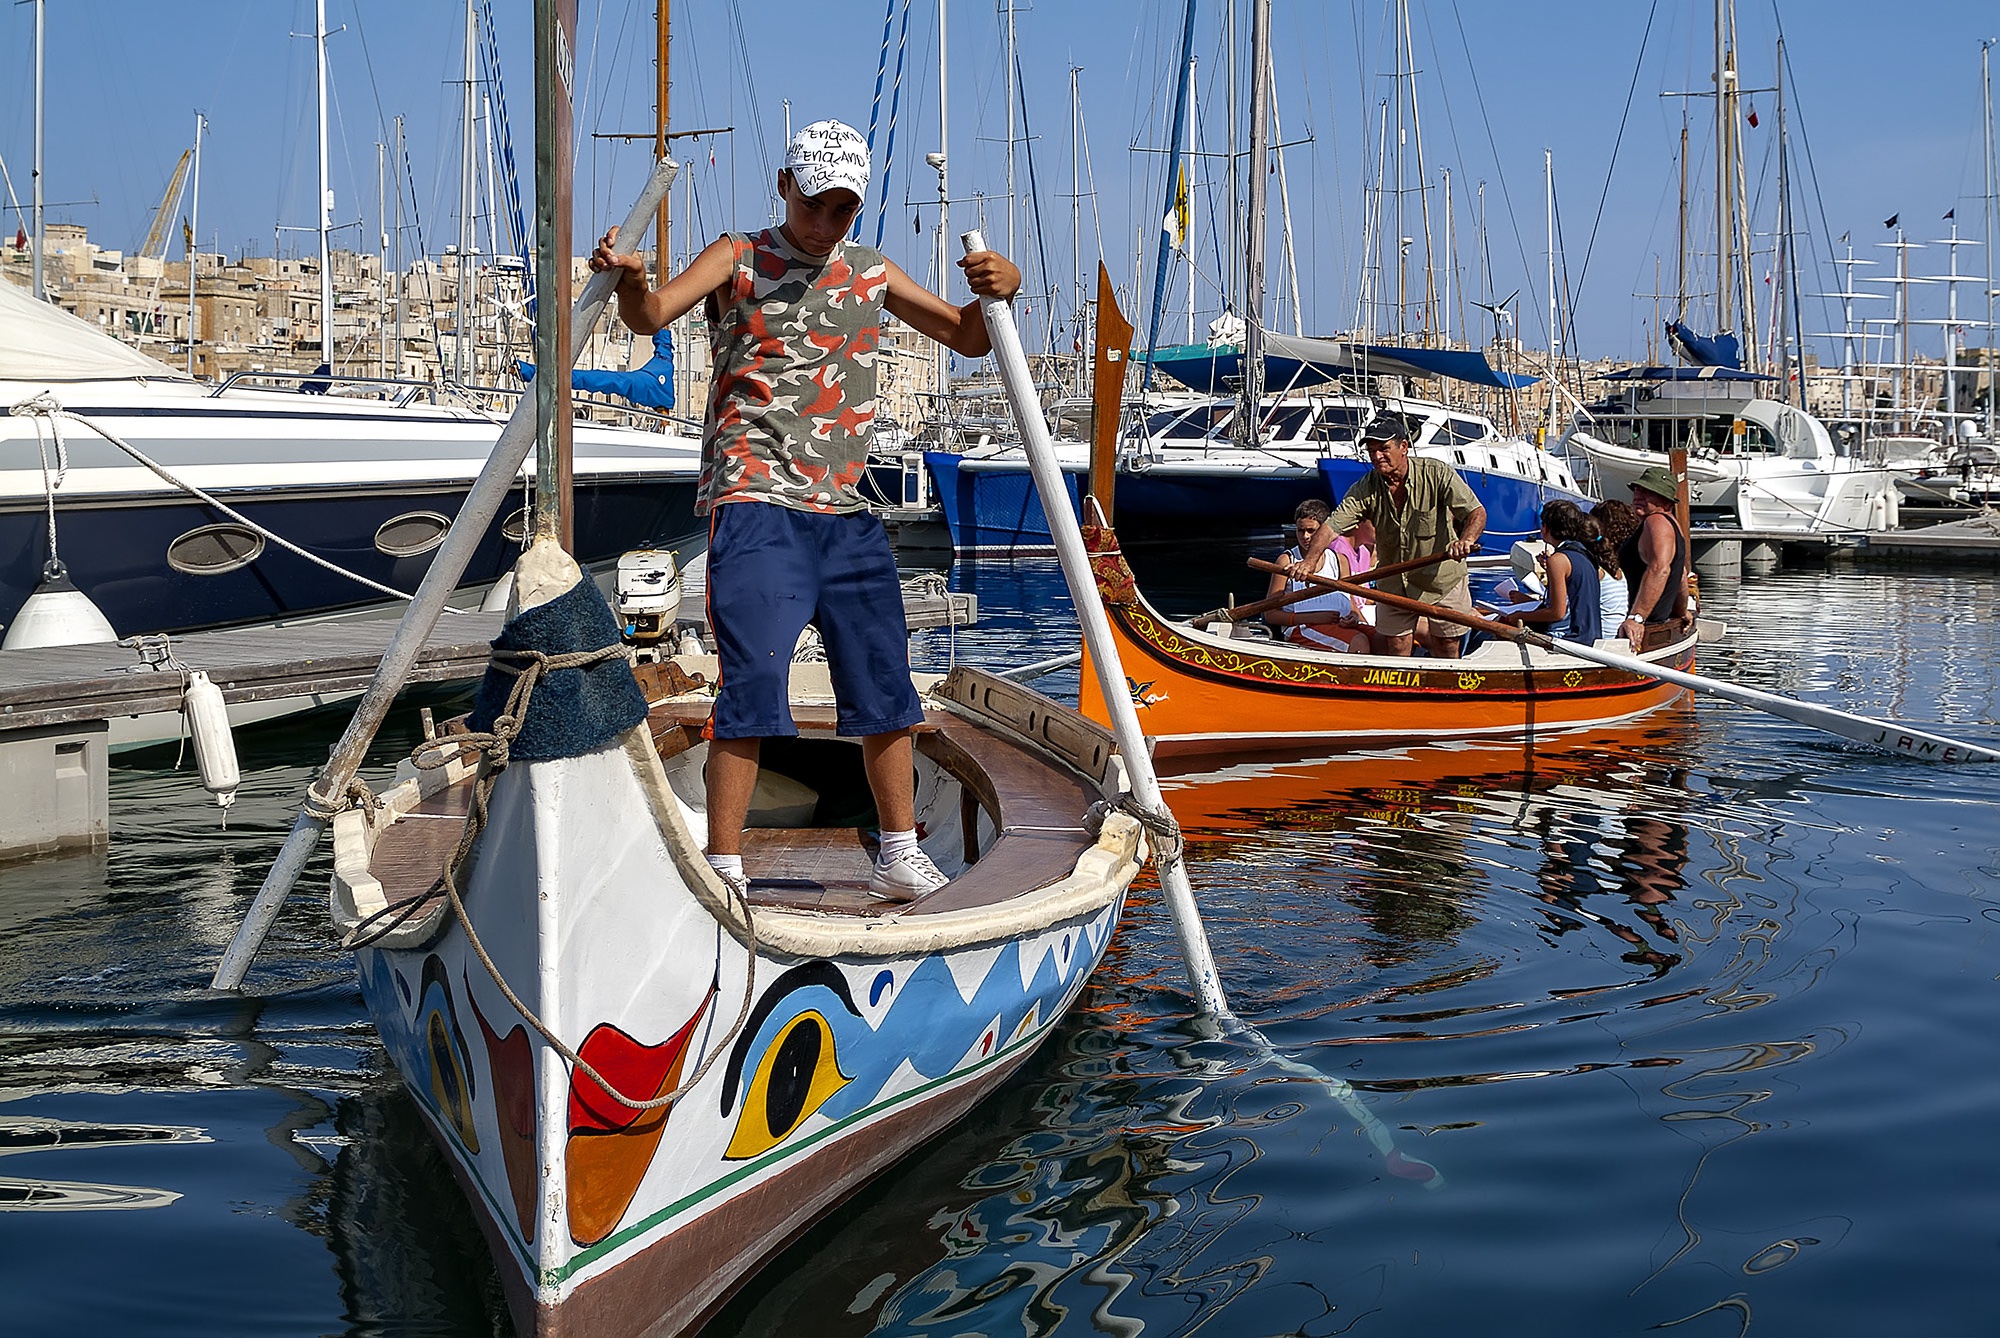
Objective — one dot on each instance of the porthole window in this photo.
(412, 533)
(214, 549)
(514, 529)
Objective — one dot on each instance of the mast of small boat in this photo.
(555, 22)
(324, 211)
(1111, 342)
(35, 173)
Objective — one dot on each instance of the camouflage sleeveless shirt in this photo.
(791, 410)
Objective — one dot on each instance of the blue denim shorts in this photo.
(772, 570)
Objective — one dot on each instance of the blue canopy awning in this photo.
(1291, 361)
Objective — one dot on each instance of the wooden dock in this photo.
(1975, 539)
(63, 708)
(67, 685)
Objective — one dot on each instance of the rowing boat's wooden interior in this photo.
(1036, 806)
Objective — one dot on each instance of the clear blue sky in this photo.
(1884, 103)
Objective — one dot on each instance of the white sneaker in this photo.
(905, 877)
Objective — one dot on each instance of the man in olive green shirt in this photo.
(1419, 507)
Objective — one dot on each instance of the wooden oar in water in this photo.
(1241, 611)
(1890, 736)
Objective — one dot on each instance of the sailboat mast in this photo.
(325, 212)
(194, 231)
(1285, 220)
(1173, 181)
(555, 25)
(1725, 260)
(663, 235)
(35, 175)
(1187, 228)
(1780, 317)
(1681, 252)
(461, 342)
(398, 245)
(1075, 206)
(941, 160)
(381, 258)
(1253, 297)
(1992, 208)
(1013, 96)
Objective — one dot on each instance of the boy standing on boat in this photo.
(1419, 506)
(794, 317)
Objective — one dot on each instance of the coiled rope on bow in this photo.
(529, 668)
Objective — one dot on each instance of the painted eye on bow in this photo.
(798, 1074)
(451, 1080)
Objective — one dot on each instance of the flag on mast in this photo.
(1176, 222)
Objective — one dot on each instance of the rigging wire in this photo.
(1583, 271)
(1506, 196)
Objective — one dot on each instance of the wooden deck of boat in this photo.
(1037, 808)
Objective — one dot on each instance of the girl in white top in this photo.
(1329, 621)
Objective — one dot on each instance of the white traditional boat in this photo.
(769, 1052)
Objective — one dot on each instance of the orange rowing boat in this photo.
(1201, 691)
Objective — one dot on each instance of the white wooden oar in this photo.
(1890, 736)
(447, 569)
(1027, 407)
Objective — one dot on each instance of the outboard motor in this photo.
(648, 595)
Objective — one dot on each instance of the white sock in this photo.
(730, 866)
(895, 843)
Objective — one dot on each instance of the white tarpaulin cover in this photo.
(39, 342)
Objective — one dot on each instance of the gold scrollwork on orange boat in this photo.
(1471, 682)
(1196, 655)
(1572, 678)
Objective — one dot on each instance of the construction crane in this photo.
(155, 245)
(156, 236)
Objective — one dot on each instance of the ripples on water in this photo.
(1693, 1020)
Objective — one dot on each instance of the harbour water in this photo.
(1683, 1025)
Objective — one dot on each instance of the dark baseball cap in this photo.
(1387, 427)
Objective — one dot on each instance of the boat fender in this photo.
(499, 598)
(214, 747)
(57, 614)
(690, 643)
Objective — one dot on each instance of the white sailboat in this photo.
(1756, 460)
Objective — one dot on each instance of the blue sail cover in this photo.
(650, 385)
(1683, 374)
(1291, 361)
(1705, 350)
